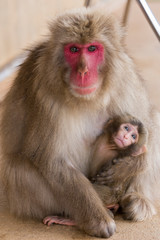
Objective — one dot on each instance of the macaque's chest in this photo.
(76, 134)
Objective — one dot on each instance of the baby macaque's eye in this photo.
(126, 128)
(134, 136)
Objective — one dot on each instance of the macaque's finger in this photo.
(101, 180)
(106, 173)
(99, 176)
(58, 220)
(104, 180)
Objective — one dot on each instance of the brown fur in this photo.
(111, 170)
(115, 177)
(105, 151)
(47, 131)
(112, 127)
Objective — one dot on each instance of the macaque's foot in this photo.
(58, 220)
(137, 207)
(113, 207)
(102, 228)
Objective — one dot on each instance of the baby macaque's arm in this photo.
(119, 171)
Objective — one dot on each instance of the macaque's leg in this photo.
(24, 197)
(108, 197)
(38, 200)
(68, 222)
(58, 220)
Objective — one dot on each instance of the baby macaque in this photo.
(114, 158)
(122, 137)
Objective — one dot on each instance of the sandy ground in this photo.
(145, 49)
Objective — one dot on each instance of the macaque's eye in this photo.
(92, 48)
(134, 136)
(74, 49)
(126, 128)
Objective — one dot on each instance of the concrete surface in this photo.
(145, 49)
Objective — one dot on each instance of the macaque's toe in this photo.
(58, 220)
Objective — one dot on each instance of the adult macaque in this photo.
(66, 89)
(121, 136)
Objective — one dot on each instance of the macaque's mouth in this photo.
(119, 142)
(85, 90)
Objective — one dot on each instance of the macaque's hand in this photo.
(105, 177)
(113, 174)
(104, 228)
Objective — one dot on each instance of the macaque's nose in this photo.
(83, 71)
(126, 135)
(82, 66)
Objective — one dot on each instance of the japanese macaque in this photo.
(65, 91)
(122, 136)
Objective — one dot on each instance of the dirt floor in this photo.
(145, 49)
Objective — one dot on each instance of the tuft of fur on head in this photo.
(85, 26)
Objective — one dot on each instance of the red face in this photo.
(84, 61)
(126, 135)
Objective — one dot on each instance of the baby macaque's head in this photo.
(128, 134)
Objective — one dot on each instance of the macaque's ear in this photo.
(142, 150)
(107, 125)
(110, 121)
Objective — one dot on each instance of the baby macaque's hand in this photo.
(112, 174)
(105, 177)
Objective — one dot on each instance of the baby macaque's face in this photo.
(126, 135)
